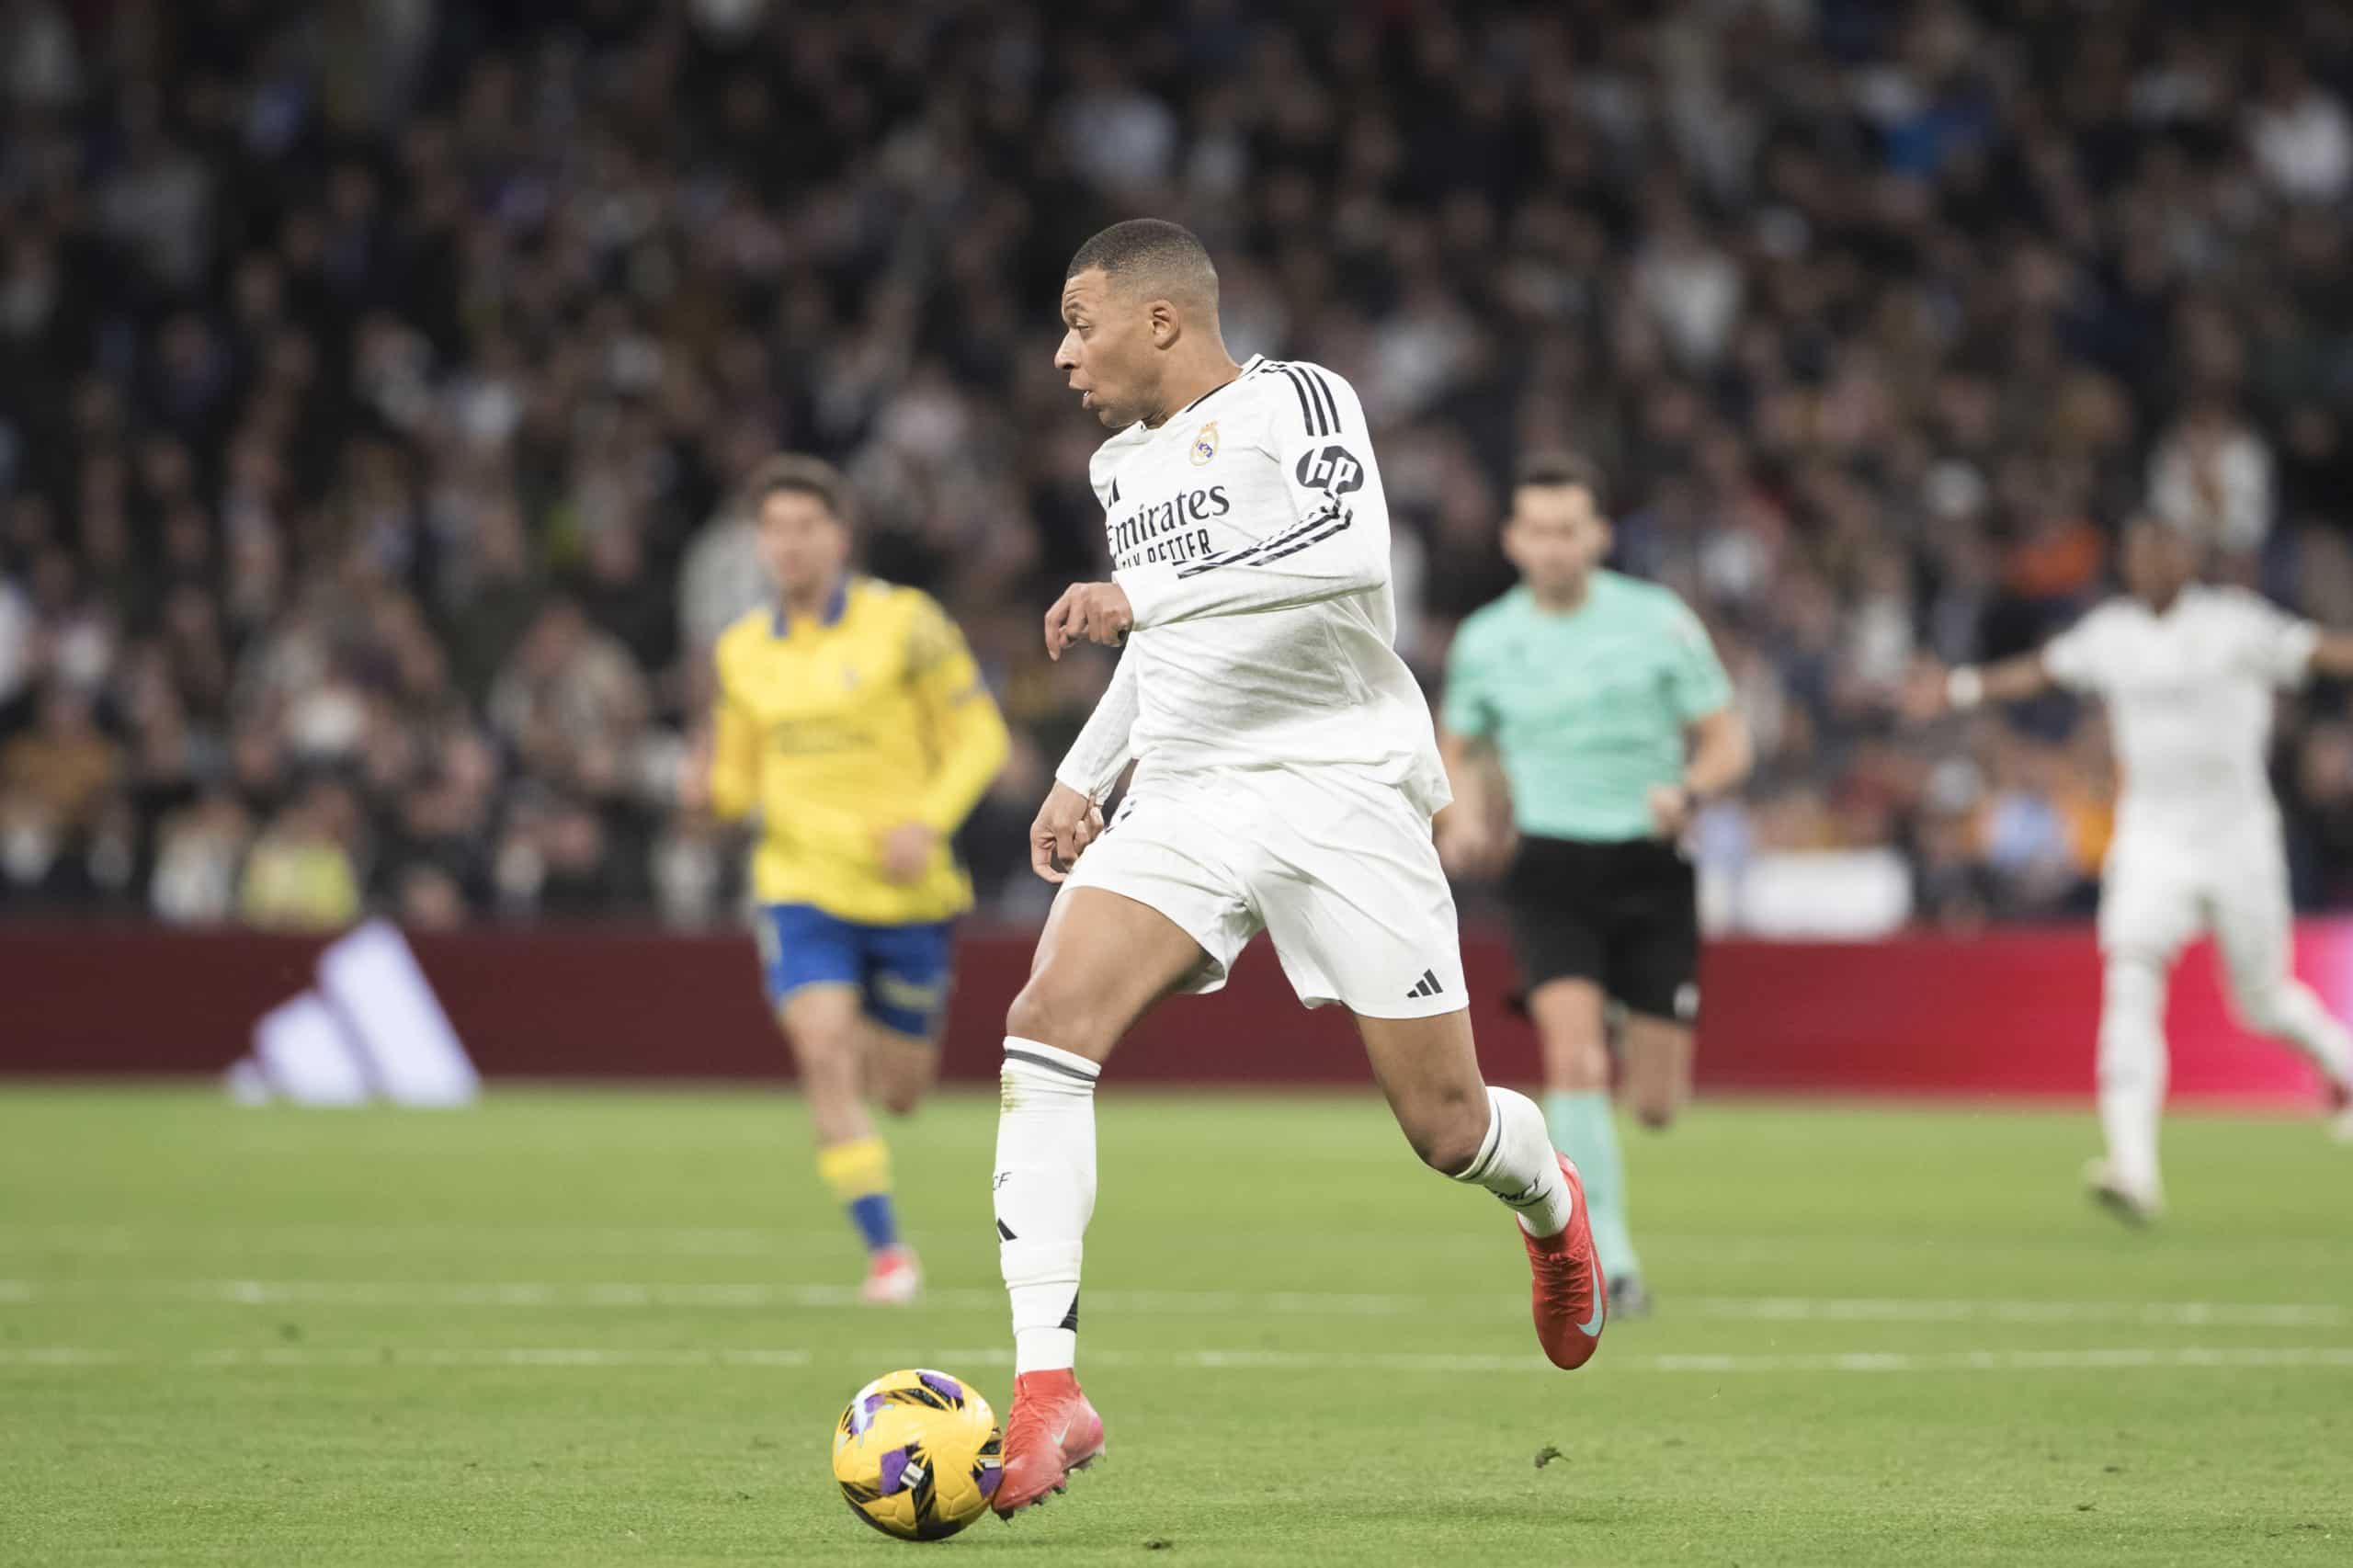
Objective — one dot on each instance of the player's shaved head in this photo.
(1151, 258)
(1140, 329)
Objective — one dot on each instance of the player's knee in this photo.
(1053, 1014)
(2263, 1008)
(1447, 1130)
(828, 1056)
(901, 1091)
(902, 1075)
(1657, 1108)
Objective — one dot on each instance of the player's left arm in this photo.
(968, 730)
(1719, 753)
(1475, 833)
(1722, 755)
(2287, 650)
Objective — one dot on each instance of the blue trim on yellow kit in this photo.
(836, 605)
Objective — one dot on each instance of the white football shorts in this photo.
(1340, 871)
(2157, 895)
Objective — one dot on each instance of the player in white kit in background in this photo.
(2188, 673)
(1285, 772)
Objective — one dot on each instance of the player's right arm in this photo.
(1106, 746)
(2083, 658)
(723, 776)
(1071, 815)
(1934, 690)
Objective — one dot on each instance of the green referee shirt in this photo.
(1587, 709)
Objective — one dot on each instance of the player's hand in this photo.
(1066, 825)
(1670, 808)
(907, 851)
(1099, 612)
(1922, 697)
(1467, 845)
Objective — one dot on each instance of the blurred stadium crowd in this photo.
(373, 377)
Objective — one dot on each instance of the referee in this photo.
(1587, 715)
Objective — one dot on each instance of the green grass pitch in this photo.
(582, 1328)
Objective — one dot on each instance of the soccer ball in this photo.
(918, 1455)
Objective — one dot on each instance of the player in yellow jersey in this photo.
(851, 718)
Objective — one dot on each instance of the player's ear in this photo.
(1167, 326)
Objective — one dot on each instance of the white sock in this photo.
(2297, 1016)
(1045, 1195)
(2132, 1070)
(1516, 1162)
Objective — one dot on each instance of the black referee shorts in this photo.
(1624, 915)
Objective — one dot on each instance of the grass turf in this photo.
(590, 1328)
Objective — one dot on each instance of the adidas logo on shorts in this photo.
(1427, 986)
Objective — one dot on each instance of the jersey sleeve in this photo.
(1467, 707)
(735, 752)
(1106, 745)
(968, 730)
(1334, 539)
(2277, 644)
(2078, 658)
(1697, 683)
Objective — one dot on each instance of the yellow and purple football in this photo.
(918, 1454)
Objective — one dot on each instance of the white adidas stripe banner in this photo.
(372, 1029)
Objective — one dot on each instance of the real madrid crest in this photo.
(1204, 444)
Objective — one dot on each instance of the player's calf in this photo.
(1446, 1127)
(899, 1070)
(1658, 1070)
(1430, 1071)
(822, 1024)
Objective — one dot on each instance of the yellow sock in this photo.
(860, 1174)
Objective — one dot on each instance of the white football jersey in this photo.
(1251, 534)
(2190, 697)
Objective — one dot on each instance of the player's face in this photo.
(802, 543)
(1107, 349)
(2159, 561)
(1555, 537)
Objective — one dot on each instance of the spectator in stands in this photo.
(300, 875)
(202, 850)
(62, 769)
(359, 413)
(2211, 474)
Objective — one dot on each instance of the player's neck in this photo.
(2159, 603)
(1564, 600)
(1187, 384)
(810, 604)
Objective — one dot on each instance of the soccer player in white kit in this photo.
(1285, 772)
(2188, 673)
